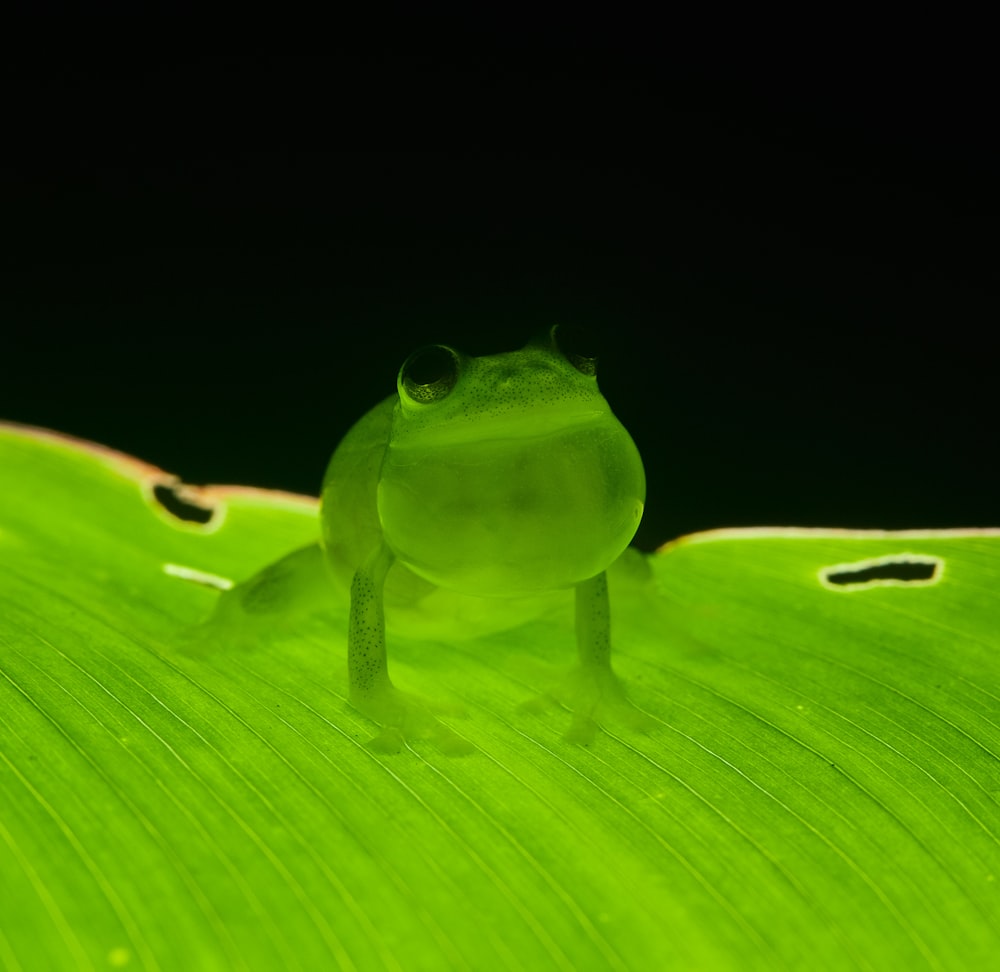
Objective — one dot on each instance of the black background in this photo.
(216, 262)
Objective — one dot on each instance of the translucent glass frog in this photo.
(493, 477)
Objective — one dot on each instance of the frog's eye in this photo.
(429, 374)
(577, 344)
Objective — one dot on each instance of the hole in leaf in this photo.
(175, 499)
(900, 570)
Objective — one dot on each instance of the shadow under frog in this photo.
(504, 476)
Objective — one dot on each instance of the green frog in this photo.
(505, 476)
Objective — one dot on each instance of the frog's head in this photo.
(507, 474)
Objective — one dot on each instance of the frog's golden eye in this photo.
(577, 344)
(429, 374)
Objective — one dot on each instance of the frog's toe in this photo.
(392, 740)
(389, 740)
(582, 730)
(405, 717)
(597, 699)
(539, 705)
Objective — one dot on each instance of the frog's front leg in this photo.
(401, 715)
(367, 666)
(592, 691)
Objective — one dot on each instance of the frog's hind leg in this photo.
(401, 715)
(267, 606)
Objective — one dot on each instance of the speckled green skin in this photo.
(514, 480)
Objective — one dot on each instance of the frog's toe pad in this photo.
(405, 717)
(597, 699)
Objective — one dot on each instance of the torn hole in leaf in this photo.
(895, 570)
(183, 502)
(195, 576)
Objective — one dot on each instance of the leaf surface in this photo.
(819, 789)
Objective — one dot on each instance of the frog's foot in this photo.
(596, 698)
(405, 717)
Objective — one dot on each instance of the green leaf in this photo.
(820, 788)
